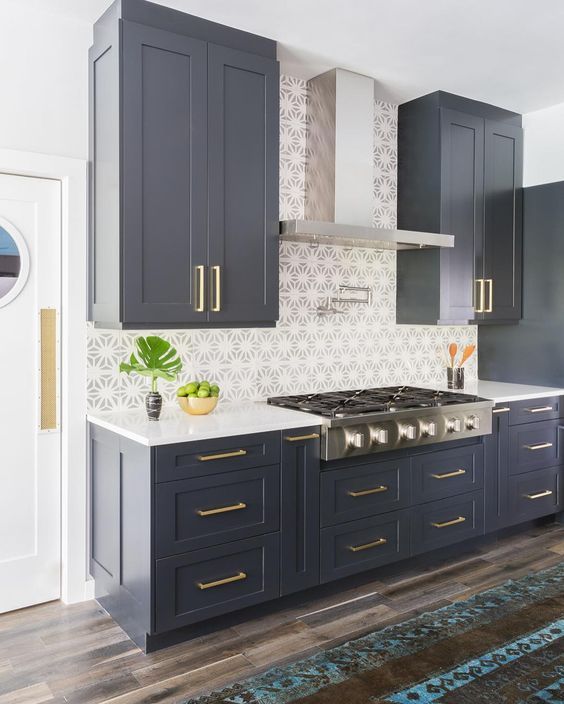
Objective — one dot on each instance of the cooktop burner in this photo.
(340, 404)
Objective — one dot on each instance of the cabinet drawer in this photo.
(196, 513)
(205, 583)
(202, 458)
(533, 446)
(534, 409)
(362, 545)
(447, 521)
(535, 494)
(447, 473)
(356, 492)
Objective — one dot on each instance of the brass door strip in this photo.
(48, 366)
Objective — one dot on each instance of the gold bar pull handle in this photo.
(539, 409)
(501, 409)
(489, 309)
(220, 582)
(299, 438)
(538, 446)
(222, 455)
(366, 492)
(540, 495)
(200, 290)
(221, 509)
(480, 295)
(216, 293)
(368, 546)
(446, 524)
(48, 369)
(448, 475)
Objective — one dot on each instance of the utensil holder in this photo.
(455, 377)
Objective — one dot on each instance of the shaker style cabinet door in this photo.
(503, 235)
(243, 116)
(164, 176)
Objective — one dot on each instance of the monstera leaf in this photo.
(156, 358)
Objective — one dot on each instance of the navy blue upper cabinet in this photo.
(184, 178)
(460, 168)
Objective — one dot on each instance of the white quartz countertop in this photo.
(503, 392)
(176, 426)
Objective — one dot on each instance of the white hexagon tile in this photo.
(359, 347)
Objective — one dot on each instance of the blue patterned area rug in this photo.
(502, 646)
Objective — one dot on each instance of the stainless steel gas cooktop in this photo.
(376, 420)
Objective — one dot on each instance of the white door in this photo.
(30, 474)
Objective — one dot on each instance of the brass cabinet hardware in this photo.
(446, 524)
(448, 475)
(216, 272)
(489, 309)
(539, 409)
(220, 582)
(222, 509)
(501, 409)
(540, 495)
(298, 438)
(200, 301)
(366, 492)
(481, 295)
(367, 546)
(538, 446)
(222, 455)
(48, 369)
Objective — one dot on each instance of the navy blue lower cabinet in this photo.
(366, 490)
(535, 494)
(300, 469)
(361, 545)
(205, 583)
(533, 410)
(440, 523)
(204, 511)
(438, 475)
(535, 445)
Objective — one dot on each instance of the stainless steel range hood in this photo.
(339, 170)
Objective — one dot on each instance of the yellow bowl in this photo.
(197, 406)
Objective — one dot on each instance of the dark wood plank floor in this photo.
(57, 653)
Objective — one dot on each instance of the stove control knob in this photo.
(409, 432)
(379, 436)
(356, 440)
(430, 429)
(454, 425)
(473, 423)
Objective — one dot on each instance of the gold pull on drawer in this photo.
(448, 475)
(298, 438)
(366, 492)
(539, 409)
(540, 495)
(222, 509)
(446, 524)
(367, 546)
(538, 446)
(501, 409)
(222, 455)
(220, 582)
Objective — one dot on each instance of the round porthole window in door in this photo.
(14, 262)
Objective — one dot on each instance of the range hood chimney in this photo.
(339, 170)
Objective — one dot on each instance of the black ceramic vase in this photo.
(153, 404)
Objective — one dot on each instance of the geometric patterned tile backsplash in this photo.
(362, 346)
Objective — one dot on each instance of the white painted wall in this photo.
(43, 81)
(544, 146)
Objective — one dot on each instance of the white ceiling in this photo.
(506, 52)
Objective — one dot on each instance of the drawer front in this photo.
(447, 521)
(197, 513)
(368, 490)
(534, 446)
(447, 473)
(535, 494)
(199, 585)
(534, 410)
(202, 458)
(362, 545)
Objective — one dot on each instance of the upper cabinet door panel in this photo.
(462, 186)
(243, 108)
(164, 172)
(503, 220)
